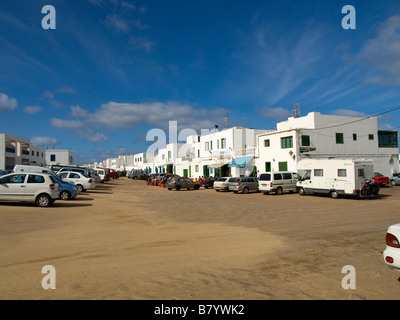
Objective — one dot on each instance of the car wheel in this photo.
(178, 188)
(302, 192)
(65, 195)
(334, 194)
(245, 190)
(169, 189)
(279, 191)
(196, 187)
(393, 182)
(266, 192)
(80, 188)
(43, 200)
(217, 190)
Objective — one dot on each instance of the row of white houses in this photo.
(241, 151)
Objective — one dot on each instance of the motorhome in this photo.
(337, 177)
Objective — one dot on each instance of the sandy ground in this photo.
(126, 240)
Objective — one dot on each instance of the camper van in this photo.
(337, 177)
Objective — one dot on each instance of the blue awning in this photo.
(241, 162)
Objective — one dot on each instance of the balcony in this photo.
(10, 150)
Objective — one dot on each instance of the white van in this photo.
(26, 168)
(337, 177)
(278, 182)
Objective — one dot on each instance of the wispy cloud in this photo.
(32, 109)
(44, 141)
(382, 52)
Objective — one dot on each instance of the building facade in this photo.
(65, 157)
(326, 136)
(15, 150)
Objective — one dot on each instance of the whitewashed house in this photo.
(15, 150)
(327, 136)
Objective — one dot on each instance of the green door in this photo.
(185, 173)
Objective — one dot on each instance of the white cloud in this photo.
(116, 115)
(32, 109)
(278, 113)
(383, 53)
(48, 94)
(44, 141)
(6, 103)
(141, 44)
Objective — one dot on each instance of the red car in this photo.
(381, 179)
(113, 174)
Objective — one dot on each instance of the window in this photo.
(52, 157)
(74, 176)
(266, 143)
(211, 145)
(217, 143)
(197, 168)
(388, 139)
(305, 141)
(287, 176)
(268, 167)
(370, 137)
(318, 172)
(16, 178)
(33, 178)
(277, 176)
(354, 136)
(37, 153)
(206, 146)
(169, 155)
(163, 157)
(33, 153)
(307, 175)
(339, 138)
(198, 153)
(223, 143)
(282, 166)
(286, 142)
(63, 175)
(361, 173)
(342, 173)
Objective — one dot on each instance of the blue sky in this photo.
(112, 69)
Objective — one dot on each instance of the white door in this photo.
(12, 187)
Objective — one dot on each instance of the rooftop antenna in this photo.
(226, 120)
(296, 110)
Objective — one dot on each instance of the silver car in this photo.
(244, 185)
(222, 184)
(41, 188)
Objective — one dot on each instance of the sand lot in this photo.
(127, 240)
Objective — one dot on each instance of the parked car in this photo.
(103, 174)
(113, 174)
(381, 179)
(244, 185)
(81, 181)
(179, 183)
(67, 190)
(208, 183)
(222, 184)
(278, 182)
(41, 188)
(395, 180)
(136, 174)
(391, 254)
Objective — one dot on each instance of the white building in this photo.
(15, 150)
(60, 157)
(327, 136)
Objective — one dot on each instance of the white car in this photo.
(222, 184)
(41, 188)
(391, 254)
(81, 181)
